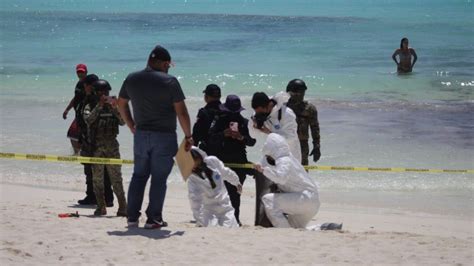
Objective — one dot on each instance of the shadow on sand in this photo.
(77, 206)
(150, 233)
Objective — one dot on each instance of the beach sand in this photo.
(32, 233)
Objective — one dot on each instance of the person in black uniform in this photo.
(205, 117)
(230, 136)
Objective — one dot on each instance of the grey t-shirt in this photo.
(153, 94)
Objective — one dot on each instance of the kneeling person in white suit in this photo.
(298, 201)
(208, 196)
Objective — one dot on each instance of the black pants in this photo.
(109, 194)
(232, 190)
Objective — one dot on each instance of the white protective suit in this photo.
(212, 207)
(299, 197)
(286, 126)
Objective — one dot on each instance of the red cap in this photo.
(81, 68)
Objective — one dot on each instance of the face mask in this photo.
(297, 96)
(205, 173)
(260, 118)
(270, 160)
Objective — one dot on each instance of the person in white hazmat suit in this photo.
(273, 116)
(208, 196)
(298, 200)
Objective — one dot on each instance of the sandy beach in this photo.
(369, 116)
(32, 233)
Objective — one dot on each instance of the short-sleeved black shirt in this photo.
(153, 94)
(79, 94)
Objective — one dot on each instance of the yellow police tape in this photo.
(66, 159)
(96, 160)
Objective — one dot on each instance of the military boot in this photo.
(122, 210)
(101, 209)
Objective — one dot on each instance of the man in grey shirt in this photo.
(157, 100)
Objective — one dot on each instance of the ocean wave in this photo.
(151, 18)
(465, 105)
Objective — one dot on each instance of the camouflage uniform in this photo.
(307, 118)
(103, 122)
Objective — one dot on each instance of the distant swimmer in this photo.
(405, 64)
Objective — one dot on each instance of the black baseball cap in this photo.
(160, 53)
(212, 90)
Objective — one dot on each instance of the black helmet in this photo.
(90, 79)
(101, 85)
(296, 85)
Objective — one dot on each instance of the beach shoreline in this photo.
(32, 233)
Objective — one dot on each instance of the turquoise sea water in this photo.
(369, 115)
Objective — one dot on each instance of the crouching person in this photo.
(297, 201)
(103, 122)
(208, 196)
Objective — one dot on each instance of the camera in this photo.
(110, 99)
(234, 126)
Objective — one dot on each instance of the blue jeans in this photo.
(153, 154)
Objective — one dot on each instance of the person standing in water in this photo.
(73, 132)
(405, 53)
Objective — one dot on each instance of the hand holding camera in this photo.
(110, 100)
(234, 131)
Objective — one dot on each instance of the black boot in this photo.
(87, 201)
(90, 195)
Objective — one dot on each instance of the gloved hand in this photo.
(316, 153)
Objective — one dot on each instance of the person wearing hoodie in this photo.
(297, 201)
(208, 197)
(273, 116)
